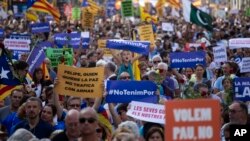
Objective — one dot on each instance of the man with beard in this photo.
(33, 123)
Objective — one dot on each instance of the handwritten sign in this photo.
(147, 112)
(220, 54)
(167, 27)
(88, 18)
(17, 44)
(146, 34)
(189, 120)
(242, 88)
(59, 55)
(76, 13)
(127, 8)
(245, 67)
(80, 82)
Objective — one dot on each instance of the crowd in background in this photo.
(45, 114)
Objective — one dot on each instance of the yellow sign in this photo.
(146, 34)
(88, 18)
(80, 82)
(101, 43)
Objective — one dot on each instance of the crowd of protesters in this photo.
(37, 112)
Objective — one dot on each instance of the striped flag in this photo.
(44, 6)
(174, 3)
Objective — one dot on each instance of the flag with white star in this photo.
(7, 81)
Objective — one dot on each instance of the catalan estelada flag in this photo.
(44, 6)
(7, 80)
(174, 3)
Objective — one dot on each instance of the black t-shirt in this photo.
(60, 137)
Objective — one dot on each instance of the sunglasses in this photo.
(234, 111)
(89, 120)
(156, 62)
(124, 77)
(161, 70)
(98, 130)
(74, 105)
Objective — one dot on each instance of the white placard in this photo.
(85, 34)
(245, 67)
(167, 27)
(220, 54)
(17, 44)
(147, 112)
(239, 43)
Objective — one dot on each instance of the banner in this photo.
(245, 65)
(80, 82)
(88, 18)
(187, 59)
(17, 44)
(220, 54)
(20, 36)
(76, 13)
(85, 39)
(1, 33)
(147, 112)
(36, 58)
(40, 27)
(146, 34)
(242, 88)
(59, 56)
(239, 43)
(70, 39)
(127, 91)
(141, 47)
(189, 120)
(110, 8)
(127, 8)
(167, 27)
(195, 45)
(45, 45)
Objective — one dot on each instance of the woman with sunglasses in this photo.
(124, 76)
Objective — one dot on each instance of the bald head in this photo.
(72, 114)
(72, 124)
(90, 111)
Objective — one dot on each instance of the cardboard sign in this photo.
(17, 44)
(127, 8)
(80, 82)
(189, 120)
(245, 66)
(242, 88)
(168, 27)
(60, 55)
(239, 43)
(147, 112)
(88, 18)
(146, 34)
(102, 43)
(187, 59)
(220, 54)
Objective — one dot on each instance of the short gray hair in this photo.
(131, 126)
(21, 135)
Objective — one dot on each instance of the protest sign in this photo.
(45, 45)
(85, 39)
(245, 65)
(80, 82)
(17, 44)
(76, 13)
(110, 8)
(195, 45)
(68, 39)
(36, 58)
(220, 14)
(147, 112)
(1, 33)
(141, 47)
(189, 120)
(127, 91)
(187, 59)
(60, 55)
(239, 43)
(40, 27)
(146, 34)
(17, 54)
(87, 19)
(20, 36)
(127, 8)
(242, 88)
(101, 43)
(168, 27)
(220, 54)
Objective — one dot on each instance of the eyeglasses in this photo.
(234, 111)
(74, 105)
(89, 120)
(124, 77)
(99, 130)
(156, 62)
